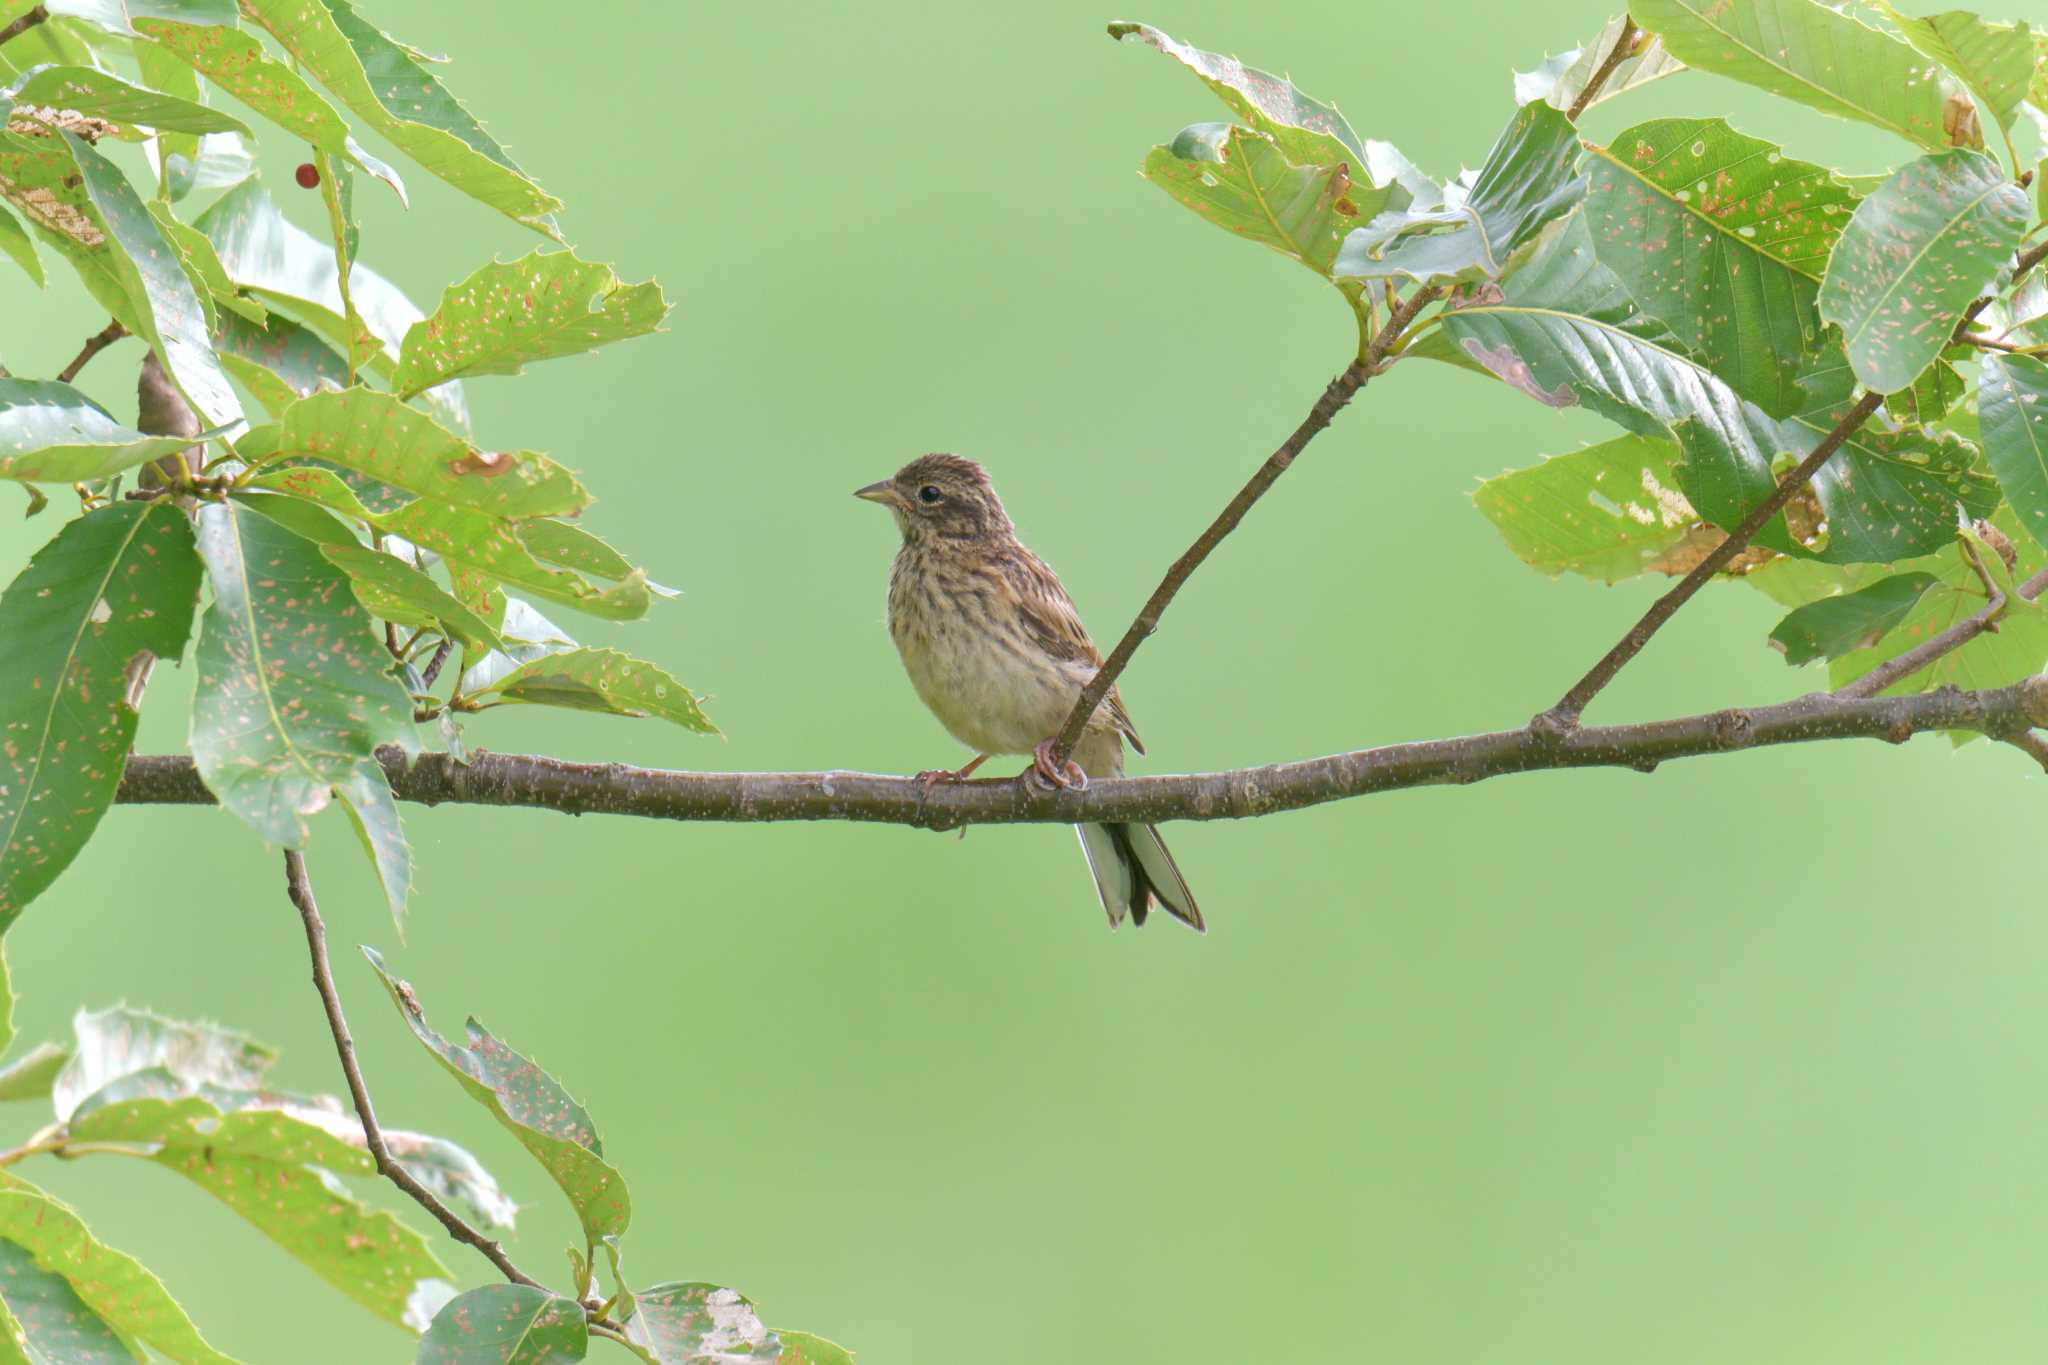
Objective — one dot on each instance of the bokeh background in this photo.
(1739, 1062)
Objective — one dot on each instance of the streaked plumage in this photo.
(994, 647)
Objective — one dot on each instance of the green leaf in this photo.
(1241, 181)
(1723, 240)
(52, 433)
(806, 1348)
(39, 178)
(99, 94)
(119, 1042)
(29, 1076)
(528, 636)
(168, 308)
(15, 241)
(113, 1286)
(506, 1324)
(378, 435)
(603, 680)
(1562, 79)
(271, 1167)
(115, 583)
(294, 695)
(278, 360)
(1527, 181)
(237, 63)
(1933, 395)
(1996, 61)
(572, 547)
(2012, 401)
(701, 1324)
(1564, 333)
(46, 1321)
(453, 1174)
(399, 97)
(1913, 256)
(1607, 512)
(1835, 626)
(506, 316)
(203, 268)
(1307, 131)
(532, 1105)
(394, 590)
(2018, 647)
(1807, 52)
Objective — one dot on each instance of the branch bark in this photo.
(1616, 55)
(94, 344)
(537, 782)
(24, 23)
(1565, 714)
(299, 887)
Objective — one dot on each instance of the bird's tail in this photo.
(1133, 869)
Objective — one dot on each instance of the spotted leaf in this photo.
(1915, 253)
(52, 433)
(100, 94)
(506, 1324)
(114, 584)
(1996, 61)
(1834, 626)
(554, 1128)
(1606, 512)
(2012, 402)
(603, 680)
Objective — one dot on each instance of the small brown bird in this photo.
(994, 647)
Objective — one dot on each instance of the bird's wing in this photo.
(1054, 626)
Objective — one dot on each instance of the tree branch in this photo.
(300, 888)
(1954, 638)
(1320, 416)
(24, 23)
(94, 344)
(542, 783)
(1572, 704)
(1616, 55)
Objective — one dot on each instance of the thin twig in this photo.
(1978, 339)
(538, 782)
(2030, 743)
(1950, 640)
(94, 344)
(300, 888)
(1616, 55)
(433, 668)
(1326, 408)
(1572, 704)
(24, 23)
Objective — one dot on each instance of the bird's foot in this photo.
(1069, 778)
(931, 777)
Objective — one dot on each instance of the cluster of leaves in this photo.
(303, 486)
(1724, 303)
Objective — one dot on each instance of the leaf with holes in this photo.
(1913, 256)
(166, 304)
(1996, 61)
(603, 680)
(2012, 403)
(1565, 333)
(237, 63)
(272, 1167)
(1857, 620)
(508, 315)
(1528, 180)
(532, 1105)
(1808, 52)
(1606, 512)
(1722, 239)
(52, 433)
(701, 1324)
(115, 583)
(100, 94)
(113, 1287)
(396, 94)
(1560, 80)
(294, 695)
(506, 1324)
(395, 591)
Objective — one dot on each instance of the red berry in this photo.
(308, 176)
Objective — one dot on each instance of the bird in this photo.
(997, 652)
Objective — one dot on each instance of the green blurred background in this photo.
(1741, 1062)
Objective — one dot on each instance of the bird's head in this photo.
(944, 497)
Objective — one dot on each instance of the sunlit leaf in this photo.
(506, 1324)
(115, 583)
(1560, 80)
(1607, 511)
(1809, 52)
(117, 1290)
(2012, 402)
(46, 1321)
(278, 360)
(1307, 131)
(1856, 620)
(1722, 239)
(508, 315)
(701, 1324)
(294, 695)
(603, 680)
(52, 433)
(39, 178)
(1996, 61)
(100, 94)
(528, 635)
(386, 87)
(454, 1175)
(806, 1348)
(532, 1105)
(30, 1076)
(396, 591)
(122, 1041)
(17, 244)
(1913, 256)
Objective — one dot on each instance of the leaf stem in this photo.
(94, 344)
(1616, 55)
(299, 887)
(337, 227)
(24, 23)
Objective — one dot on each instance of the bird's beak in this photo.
(883, 492)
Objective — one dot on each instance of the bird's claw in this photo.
(1065, 779)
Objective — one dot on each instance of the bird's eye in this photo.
(928, 494)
